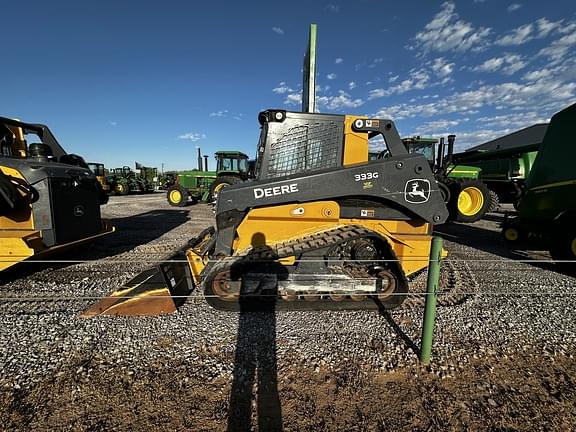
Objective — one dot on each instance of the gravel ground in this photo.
(516, 323)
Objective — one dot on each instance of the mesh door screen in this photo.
(305, 148)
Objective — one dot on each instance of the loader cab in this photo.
(100, 173)
(97, 169)
(293, 143)
(33, 141)
(12, 141)
(297, 143)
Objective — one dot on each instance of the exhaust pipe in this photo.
(451, 139)
(205, 162)
(441, 150)
(199, 159)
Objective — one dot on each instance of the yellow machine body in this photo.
(315, 187)
(32, 187)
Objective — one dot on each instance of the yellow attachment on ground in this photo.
(147, 294)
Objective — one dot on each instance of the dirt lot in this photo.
(503, 358)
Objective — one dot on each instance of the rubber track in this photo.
(459, 286)
(291, 248)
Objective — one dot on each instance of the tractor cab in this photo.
(440, 159)
(232, 162)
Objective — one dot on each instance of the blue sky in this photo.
(149, 81)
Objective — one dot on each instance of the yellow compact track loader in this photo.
(321, 227)
(49, 199)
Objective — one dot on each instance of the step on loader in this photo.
(321, 227)
(49, 199)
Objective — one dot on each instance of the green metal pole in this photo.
(309, 77)
(431, 297)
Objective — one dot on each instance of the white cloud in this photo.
(278, 30)
(393, 78)
(442, 68)
(515, 120)
(518, 36)
(343, 100)
(446, 32)
(338, 60)
(376, 62)
(418, 79)
(437, 126)
(537, 74)
(377, 93)
(222, 113)
(513, 7)
(539, 29)
(331, 76)
(332, 8)
(352, 85)
(282, 88)
(192, 136)
(559, 48)
(293, 99)
(508, 64)
(546, 27)
(113, 123)
(544, 96)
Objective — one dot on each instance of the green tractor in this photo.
(232, 167)
(467, 197)
(124, 181)
(505, 162)
(547, 207)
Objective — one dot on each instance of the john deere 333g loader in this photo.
(321, 227)
(49, 199)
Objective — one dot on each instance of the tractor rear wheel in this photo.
(177, 196)
(471, 200)
(221, 183)
(494, 201)
(121, 189)
(563, 249)
(513, 235)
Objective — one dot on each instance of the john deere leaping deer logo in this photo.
(417, 191)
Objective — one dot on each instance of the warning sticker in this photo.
(367, 212)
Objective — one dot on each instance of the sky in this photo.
(120, 82)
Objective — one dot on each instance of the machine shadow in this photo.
(131, 231)
(490, 241)
(255, 357)
(409, 343)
